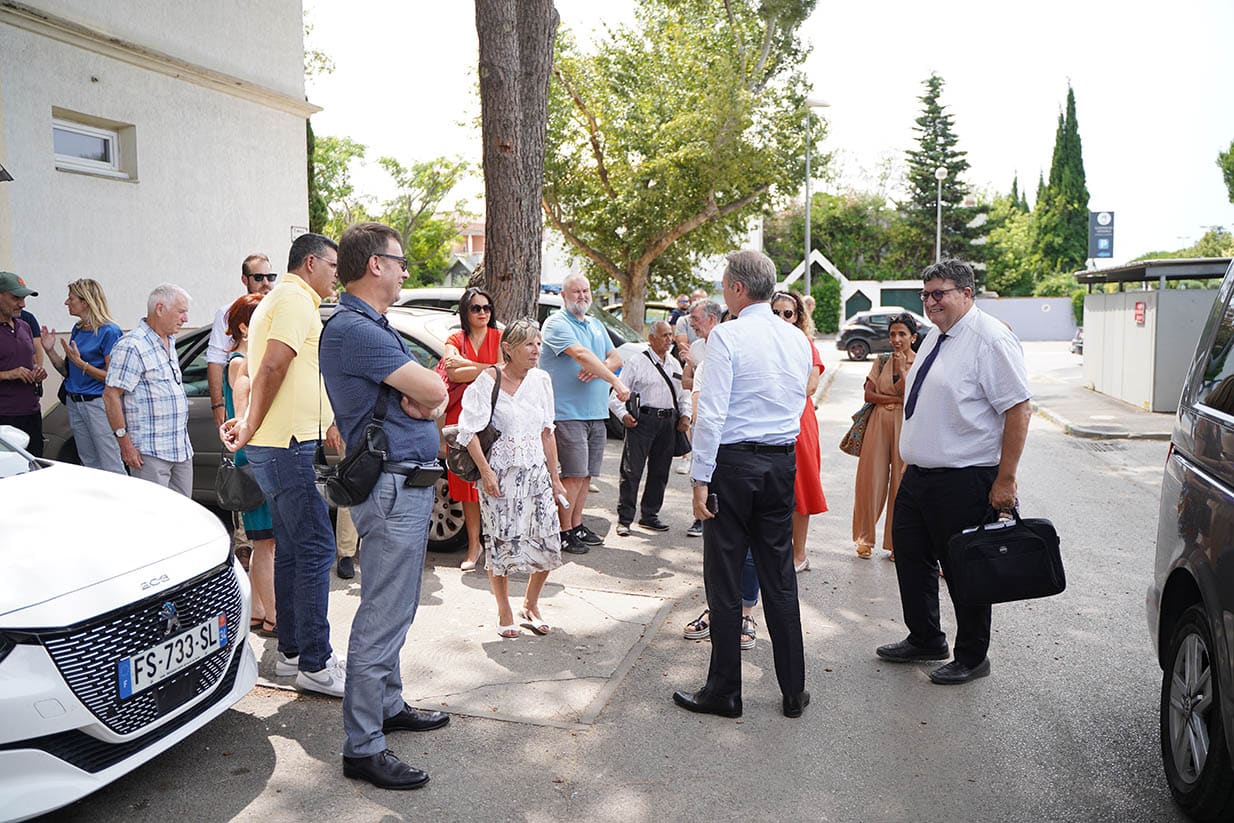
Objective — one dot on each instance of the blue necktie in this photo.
(921, 375)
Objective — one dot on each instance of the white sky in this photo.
(1152, 82)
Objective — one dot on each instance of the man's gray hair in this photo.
(165, 295)
(957, 271)
(655, 326)
(571, 277)
(755, 271)
(710, 307)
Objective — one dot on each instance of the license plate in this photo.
(141, 671)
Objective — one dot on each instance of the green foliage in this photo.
(827, 304)
(937, 147)
(318, 211)
(1216, 242)
(1225, 162)
(854, 230)
(1010, 264)
(1059, 284)
(1077, 306)
(333, 157)
(672, 134)
(1060, 234)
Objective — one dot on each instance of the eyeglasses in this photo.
(937, 294)
(402, 261)
(331, 263)
(480, 308)
(787, 314)
(269, 278)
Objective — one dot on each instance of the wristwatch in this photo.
(120, 432)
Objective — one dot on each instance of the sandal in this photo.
(536, 624)
(864, 552)
(508, 632)
(273, 631)
(698, 628)
(747, 631)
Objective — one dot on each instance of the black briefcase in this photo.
(1005, 560)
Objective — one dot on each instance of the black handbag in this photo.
(681, 440)
(236, 488)
(351, 481)
(458, 459)
(999, 561)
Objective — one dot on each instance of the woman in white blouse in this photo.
(519, 478)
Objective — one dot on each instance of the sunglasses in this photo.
(937, 294)
(270, 278)
(480, 308)
(787, 314)
(402, 261)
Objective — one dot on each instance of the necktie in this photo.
(921, 376)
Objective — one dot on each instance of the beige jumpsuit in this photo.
(879, 468)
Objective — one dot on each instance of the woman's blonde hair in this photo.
(519, 332)
(91, 293)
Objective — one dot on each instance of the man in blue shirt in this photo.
(577, 351)
(360, 356)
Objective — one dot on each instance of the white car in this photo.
(123, 627)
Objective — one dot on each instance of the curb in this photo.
(1095, 432)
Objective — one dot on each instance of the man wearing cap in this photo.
(19, 374)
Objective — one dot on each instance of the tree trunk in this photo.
(634, 298)
(516, 58)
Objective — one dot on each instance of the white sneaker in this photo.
(683, 467)
(285, 666)
(330, 681)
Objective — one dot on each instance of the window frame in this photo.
(68, 162)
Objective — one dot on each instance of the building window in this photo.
(93, 146)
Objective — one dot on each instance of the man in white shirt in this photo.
(749, 414)
(663, 411)
(704, 316)
(966, 417)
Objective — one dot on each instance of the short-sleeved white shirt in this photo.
(978, 375)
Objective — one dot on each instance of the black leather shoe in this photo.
(572, 545)
(414, 720)
(346, 568)
(704, 703)
(955, 673)
(654, 523)
(905, 652)
(586, 536)
(795, 704)
(385, 771)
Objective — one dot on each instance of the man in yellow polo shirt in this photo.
(288, 409)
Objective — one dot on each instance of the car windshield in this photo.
(614, 324)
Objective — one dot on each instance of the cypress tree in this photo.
(1061, 236)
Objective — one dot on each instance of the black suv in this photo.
(866, 331)
(1191, 599)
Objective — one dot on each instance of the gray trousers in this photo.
(176, 476)
(97, 447)
(393, 523)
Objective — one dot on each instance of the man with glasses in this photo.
(144, 394)
(966, 417)
(288, 409)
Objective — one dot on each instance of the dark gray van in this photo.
(1191, 599)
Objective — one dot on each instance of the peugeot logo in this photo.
(170, 618)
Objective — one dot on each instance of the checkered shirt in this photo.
(156, 410)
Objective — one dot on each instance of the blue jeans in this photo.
(393, 525)
(749, 582)
(304, 549)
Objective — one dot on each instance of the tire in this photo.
(1193, 743)
(447, 531)
(858, 349)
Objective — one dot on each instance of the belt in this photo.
(83, 398)
(417, 475)
(760, 448)
(945, 469)
(654, 412)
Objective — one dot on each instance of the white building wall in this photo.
(219, 175)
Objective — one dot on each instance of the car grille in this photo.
(87, 655)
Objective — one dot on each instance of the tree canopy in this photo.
(671, 134)
(1225, 162)
(1061, 230)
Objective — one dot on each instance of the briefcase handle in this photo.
(993, 519)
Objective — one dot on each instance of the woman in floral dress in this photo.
(519, 479)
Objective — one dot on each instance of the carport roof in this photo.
(1194, 268)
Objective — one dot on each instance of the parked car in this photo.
(625, 339)
(425, 332)
(115, 643)
(866, 331)
(1077, 342)
(653, 310)
(1191, 597)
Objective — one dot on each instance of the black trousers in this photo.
(755, 492)
(931, 506)
(32, 424)
(649, 444)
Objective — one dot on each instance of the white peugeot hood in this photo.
(77, 542)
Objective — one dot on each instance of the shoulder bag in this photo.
(458, 459)
(236, 488)
(851, 442)
(999, 561)
(681, 443)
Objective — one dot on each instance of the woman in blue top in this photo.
(83, 363)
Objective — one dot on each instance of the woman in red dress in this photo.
(469, 351)
(809, 485)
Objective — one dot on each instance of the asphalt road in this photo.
(1065, 729)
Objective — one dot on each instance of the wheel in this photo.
(447, 532)
(858, 349)
(1193, 744)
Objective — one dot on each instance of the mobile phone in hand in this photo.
(713, 503)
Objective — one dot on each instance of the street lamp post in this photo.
(811, 103)
(940, 174)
